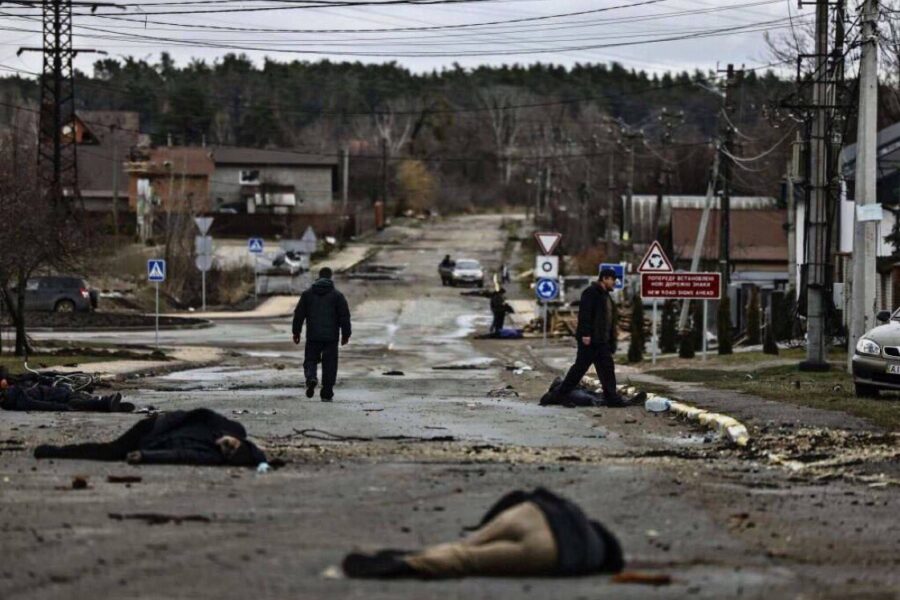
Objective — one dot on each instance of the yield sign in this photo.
(547, 240)
(203, 224)
(655, 261)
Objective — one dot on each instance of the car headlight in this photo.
(866, 346)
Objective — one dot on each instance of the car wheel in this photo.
(864, 390)
(64, 306)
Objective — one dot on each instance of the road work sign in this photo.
(655, 261)
(255, 245)
(620, 273)
(547, 241)
(546, 290)
(546, 267)
(681, 286)
(156, 269)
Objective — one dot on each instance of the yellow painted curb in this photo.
(725, 426)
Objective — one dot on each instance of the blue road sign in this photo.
(620, 273)
(255, 245)
(546, 289)
(156, 269)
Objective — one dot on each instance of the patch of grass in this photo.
(832, 390)
(750, 359)
(16, 366)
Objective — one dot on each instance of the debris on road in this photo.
(505, 392)
(124, 479)
(657, 579)
(394, 373)
(160, 518)
(80, 482)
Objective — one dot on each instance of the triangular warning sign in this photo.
(548, 241)
(156, 271)
(655, 261)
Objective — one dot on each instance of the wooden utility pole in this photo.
(664, 179)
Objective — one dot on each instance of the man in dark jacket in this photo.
(193, 437)
(327, 316)
(596, 338)
(60, 398)
(499, 309)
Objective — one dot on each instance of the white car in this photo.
(467, 270)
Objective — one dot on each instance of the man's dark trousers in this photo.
(598, 354)
(499, 318)
(327, 354)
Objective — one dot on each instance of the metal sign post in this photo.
(544, 343)
(654, 339)
(255, 247)
(546, 290)
(156, 272)
(703, 326)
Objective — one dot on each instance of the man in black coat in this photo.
(327, 315)
(194, 437)
(596, 338)
(26, 396)
(499, 309)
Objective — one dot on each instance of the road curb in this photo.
(727, 427)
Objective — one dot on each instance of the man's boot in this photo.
(311, 387)
(327, 394)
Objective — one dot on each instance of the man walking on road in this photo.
(596, 338)
(499, 309)
(328, 320)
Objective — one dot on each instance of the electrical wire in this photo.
(744, 159)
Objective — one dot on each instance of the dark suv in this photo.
(59, 293)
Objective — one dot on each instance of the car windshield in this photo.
(467, 264)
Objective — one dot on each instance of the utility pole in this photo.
(384, 172)
(57, 162)
(664, 178)
(627, 242)
(862, 306)
(732, 79)
(817, 233)
(611, 249)
(115, 184)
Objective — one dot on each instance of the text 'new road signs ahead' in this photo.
(156, 269)
(546, 289)
(547, 240)
(681, 286)
(255, 245)
(655, 261)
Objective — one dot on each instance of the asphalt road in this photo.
(722, 524)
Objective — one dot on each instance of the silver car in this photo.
(876, 362)
(467, 270)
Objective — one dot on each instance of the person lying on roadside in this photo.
(58, 398)
(524, 534)
(194, 437)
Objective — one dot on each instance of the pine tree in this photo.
(754, 334)
(668, 341)
(724, 326)
(636, 347)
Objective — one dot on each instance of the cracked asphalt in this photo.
(431, 450)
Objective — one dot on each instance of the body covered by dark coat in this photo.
(178, 437)
(580, 396)
(597, 316)
(60, 398)
(325, 311)
(584, 546)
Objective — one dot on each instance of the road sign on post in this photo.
(654, 261)
(546, 267)
(547, 240)
(203, 224)
(546, 289)
(255, 245)
(156, 272)
(620, 273)
(203, 248)
(683, 286)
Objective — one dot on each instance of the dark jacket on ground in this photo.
(325, 311)
(179, 437)
(584, 546)
(597, 315)
(37, 397)
(580, 396)
(190, 437)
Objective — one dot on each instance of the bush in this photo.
(724, 326)
(636, 346)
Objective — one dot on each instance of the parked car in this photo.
(876, 362)
(467, 270)
(59, 293)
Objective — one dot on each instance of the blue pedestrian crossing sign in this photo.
(620, 273)
(546, 289)
(255, 245)
(156, 269)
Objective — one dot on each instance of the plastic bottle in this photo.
(262, 468)
(657, 404)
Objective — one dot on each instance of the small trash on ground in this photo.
(80, 482)
(333, 572)
(394, 373)
(642, 578)
(462, 367)
(279, 367)
(124, 479)
(159, 518)
(262, 468)
(505, 392)
(657, 404)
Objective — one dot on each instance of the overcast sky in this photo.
(709, 32)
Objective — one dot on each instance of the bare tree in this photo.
(503, 113)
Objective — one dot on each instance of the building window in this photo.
(250, 177)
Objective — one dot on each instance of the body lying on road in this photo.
(60, 398)
(198, 437)
(523, 534)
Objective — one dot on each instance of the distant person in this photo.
(445, 269)
(504, 273)
(327, 315)
(596, 339)
(499, 310)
